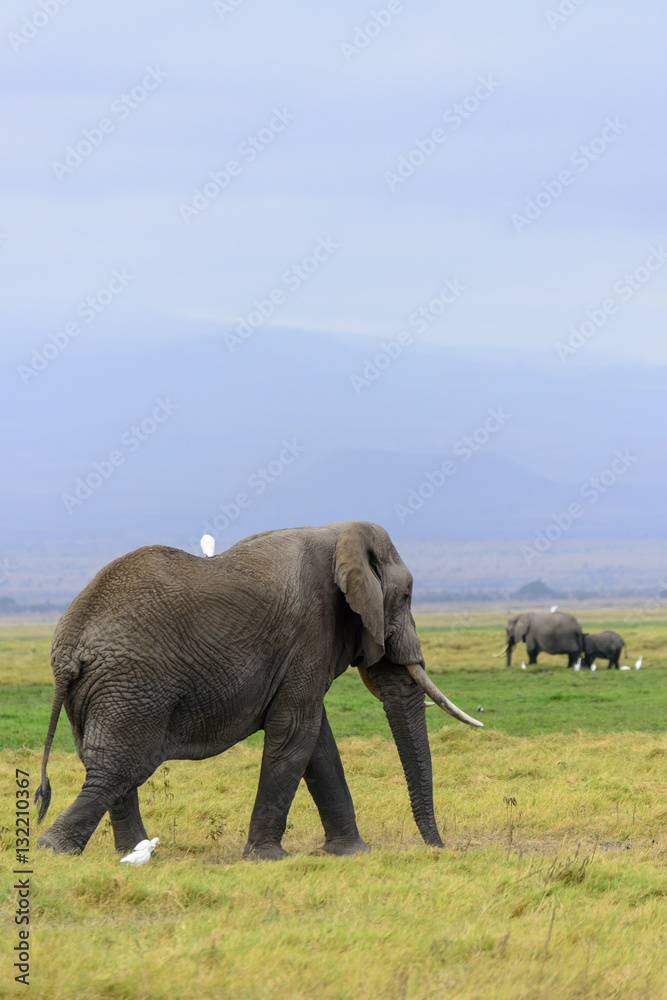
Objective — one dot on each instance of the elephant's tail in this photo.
(43, 793)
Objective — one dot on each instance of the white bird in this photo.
(208, 545)
(593, 667)
(577, 665)
(523, 666)
(479, 708)
(639, 663)
(625, 668)
(555, 608)
(144, 845)
(142, 852)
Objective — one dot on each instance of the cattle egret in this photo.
(577, 665)
(625, 668)
(555, 608)
(639, 663)
(523, 666)
(142, 852)
(208, 545)
(593, 667)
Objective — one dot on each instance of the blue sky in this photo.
(238, 206)
(550, 83)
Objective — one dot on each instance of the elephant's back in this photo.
(559, 632)
(137, 594)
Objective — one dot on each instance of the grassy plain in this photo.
(552, 883)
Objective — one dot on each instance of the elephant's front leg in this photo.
(290, 734)
(532, 648)
(327, 785)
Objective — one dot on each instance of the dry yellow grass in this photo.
(552, 883)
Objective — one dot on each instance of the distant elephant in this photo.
(167, 655)
(544, 632)
(605, 645)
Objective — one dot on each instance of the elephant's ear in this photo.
(521, 628)
(353, 562)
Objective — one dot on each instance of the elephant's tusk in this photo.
(373, 688)
(418, 674)
(501, 651)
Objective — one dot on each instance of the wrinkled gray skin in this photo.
(545, 632)
(167, 655)
(605, 645)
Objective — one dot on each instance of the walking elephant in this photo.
(544, 632)
(167, 655)
(605, 645)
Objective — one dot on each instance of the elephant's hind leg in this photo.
(128, 828)
(327, 785)
(72, 830)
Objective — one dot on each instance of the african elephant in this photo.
(544, 632)
(167, 655)
(607, 645)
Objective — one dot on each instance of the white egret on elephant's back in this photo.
(208, 545)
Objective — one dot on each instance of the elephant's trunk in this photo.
(403, 702)
(509, 647)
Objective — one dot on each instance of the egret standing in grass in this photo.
(639, 663)
(142, 852)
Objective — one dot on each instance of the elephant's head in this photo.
(516, 632)
(378, 586)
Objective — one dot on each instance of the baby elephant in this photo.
(607, 645)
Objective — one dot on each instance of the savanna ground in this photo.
(552, 883)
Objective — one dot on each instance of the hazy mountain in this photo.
(172, 426)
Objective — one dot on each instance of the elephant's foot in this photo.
(58, 844)
(343, 847)
(264, 852)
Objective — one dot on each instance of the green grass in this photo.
(546, 698)
(552, 883)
